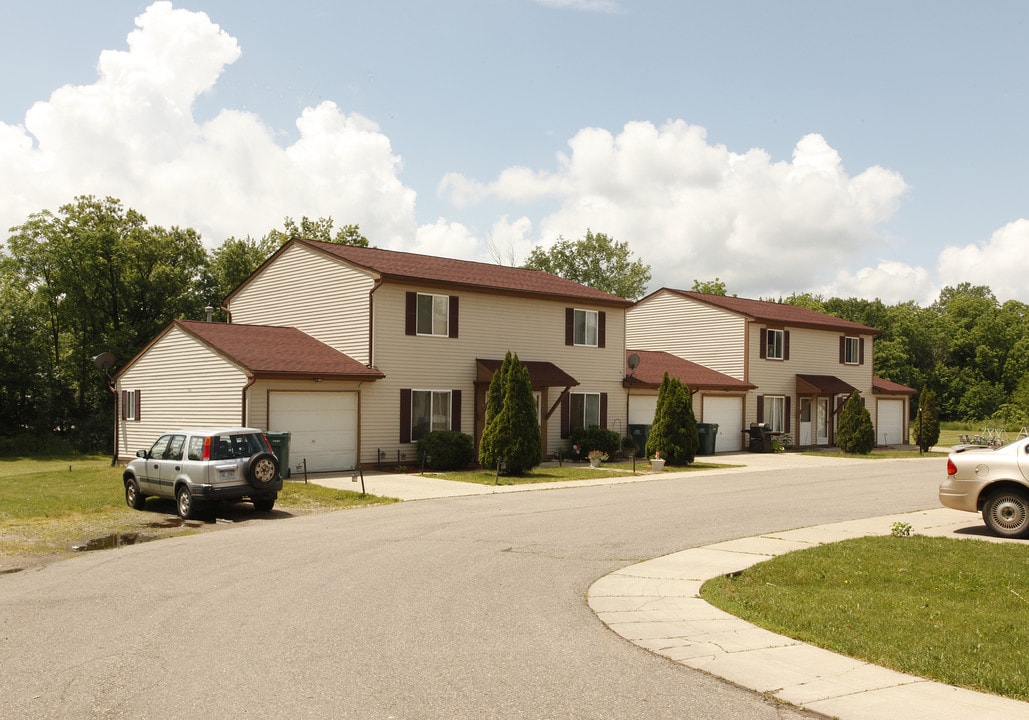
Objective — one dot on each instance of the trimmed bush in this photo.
(512, 433)
(856, 433)
(674, 432)
(926, 428)
(594, 438)
(446, 450)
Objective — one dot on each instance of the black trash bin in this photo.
(760, 438)
(707, 433)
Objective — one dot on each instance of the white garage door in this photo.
(641, 409)
(727, 413)
(890, 414)
(323, 427)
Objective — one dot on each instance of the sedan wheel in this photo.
(184, 503)
(1006, 513)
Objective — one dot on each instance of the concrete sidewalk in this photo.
(414, 486)
(656, 605)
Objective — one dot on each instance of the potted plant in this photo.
(596, 457)
(657, 463)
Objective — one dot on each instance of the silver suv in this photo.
(195, 466)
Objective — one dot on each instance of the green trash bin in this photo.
(707, 433)
(639, 435)
(280, 446)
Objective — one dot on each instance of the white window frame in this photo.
(775, 344)
(590, 411)
(775, 412)
(438, 321)
(852, 350)
(586, 328)
(440, 412)
(130, 404)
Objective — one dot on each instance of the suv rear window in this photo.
(237, 445)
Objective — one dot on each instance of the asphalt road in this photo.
(451, 608)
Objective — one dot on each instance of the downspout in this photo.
(243, 400)
(114, 391)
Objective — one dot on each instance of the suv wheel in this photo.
(184, 503)
(262, 470)
(133, 497)
(264, 504)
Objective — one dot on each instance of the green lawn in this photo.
(49, 505)
(949, 610)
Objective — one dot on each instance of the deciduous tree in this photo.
(597, 261)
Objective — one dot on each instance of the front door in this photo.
(804, 438)
(822, 421)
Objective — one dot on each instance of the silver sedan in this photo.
(994, 481)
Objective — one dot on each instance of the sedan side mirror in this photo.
(141, 453)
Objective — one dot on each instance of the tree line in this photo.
(95, 276)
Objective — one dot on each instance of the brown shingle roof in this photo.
(265, 350)
(882, 385)
(772, 312)
(543, 374)
(823, 384)
(391, 264)
(653, 365)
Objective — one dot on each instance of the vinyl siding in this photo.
(183, 383)
(321, 296)
(812, 352)
(490, 325)
(708, 336)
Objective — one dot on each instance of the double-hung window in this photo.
(130, 404)
(586, 323)
(433, 314)
(852, 350)
(775, 344)
(775, 412)
(584, 410)
(430, 410)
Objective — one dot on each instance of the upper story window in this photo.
(431, 314)
(852, 351)
(775, 344)
(585, 328)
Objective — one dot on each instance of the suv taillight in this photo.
(207, 448)
(952, 469)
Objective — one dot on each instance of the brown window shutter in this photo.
(405, 415)
(861, 351)
(569, 329)
(601, 330)
(785, 344)
(843, 349)
(411, 314)
(566, 415)
(603, 410)
(763, 349)
(786, 420)
(455, 410)
(124, 405)
(760, 408)
(452, 329)
(139, 403)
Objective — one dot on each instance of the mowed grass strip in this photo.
(955, 611)
(49, 505)
(568, 471)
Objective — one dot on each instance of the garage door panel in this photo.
(727, 413)
(890, 422)
(322, 427)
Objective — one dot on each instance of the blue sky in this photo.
(870, 149)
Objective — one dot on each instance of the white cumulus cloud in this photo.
(132, 135)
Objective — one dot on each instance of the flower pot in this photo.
(594, 462)
(657, 465)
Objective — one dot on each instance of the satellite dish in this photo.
(104, 361)
(634, 361)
